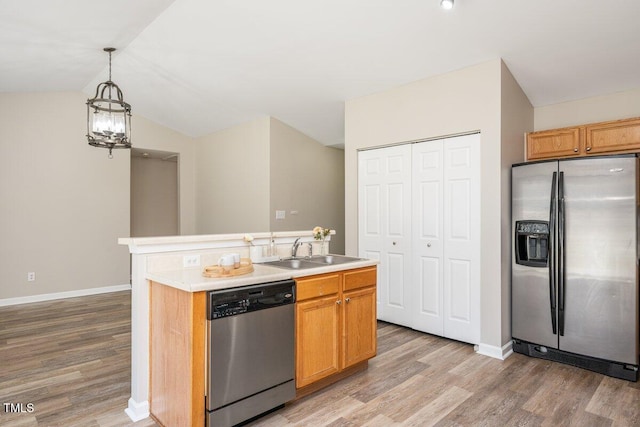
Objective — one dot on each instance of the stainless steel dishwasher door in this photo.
(250, 353)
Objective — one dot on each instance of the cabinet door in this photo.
(359, 323)
(613, 137)
(317, 339)
(428, 240)
(554, 143)
(384, 226)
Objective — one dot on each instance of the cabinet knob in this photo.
(347, 299)
(588, 148)
(394, 243)
(339, 302)
(428, 245)
(575, 150)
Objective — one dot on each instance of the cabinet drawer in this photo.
(360, 278)
(317, 286)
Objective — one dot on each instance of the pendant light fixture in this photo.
(108, 116)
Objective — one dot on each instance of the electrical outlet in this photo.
(31, 276)
(191, 261)
(280, 214)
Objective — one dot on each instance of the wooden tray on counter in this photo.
(212, 271)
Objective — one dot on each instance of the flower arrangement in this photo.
(248, 238)
(320, 233)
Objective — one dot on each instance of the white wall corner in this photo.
(496, 352)
(137, 411)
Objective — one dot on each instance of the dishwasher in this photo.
(250, 352)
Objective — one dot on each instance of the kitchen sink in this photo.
(313, 262)
(293, 263)
(333, 259)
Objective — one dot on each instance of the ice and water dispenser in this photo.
(532, 243)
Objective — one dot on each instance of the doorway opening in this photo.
(155, 207)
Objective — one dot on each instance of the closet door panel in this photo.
(429, 318)
(458, 291)
(384, 196)
(370, 213)
(427, 242)
(461, 238)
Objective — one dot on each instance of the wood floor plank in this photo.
(438, 408)
(615, 400)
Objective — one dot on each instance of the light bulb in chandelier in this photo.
(446, 4)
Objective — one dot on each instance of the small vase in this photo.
(323, 248)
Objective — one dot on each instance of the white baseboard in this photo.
(137, 411)
(60, 295)
(496, 352)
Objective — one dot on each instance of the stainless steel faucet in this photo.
(294, 248)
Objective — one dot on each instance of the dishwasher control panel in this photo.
(230, 309)
(236, 301)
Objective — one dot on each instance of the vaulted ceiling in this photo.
(198, 66)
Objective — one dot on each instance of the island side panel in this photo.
(177, 353)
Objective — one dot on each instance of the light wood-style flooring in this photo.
(71, 359)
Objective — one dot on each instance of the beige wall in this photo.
(516, 119)
(154, 197)
(65, 203)
(233, 179)
(461, 101)
(620, 105)
(247, 172)
(308, 178)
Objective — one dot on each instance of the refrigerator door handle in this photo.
(551, 257)
(561, 254)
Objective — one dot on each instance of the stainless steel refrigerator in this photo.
(574, 280)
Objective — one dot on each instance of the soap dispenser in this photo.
(272, 246)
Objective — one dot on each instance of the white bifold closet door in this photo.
(424, 226)
(384, 210)
(445, 250)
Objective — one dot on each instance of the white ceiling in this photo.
(199, 66)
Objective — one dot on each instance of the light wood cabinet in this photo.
(335, 323)
(358, 330)
(177, 342)
(567, 142)
(613, 137)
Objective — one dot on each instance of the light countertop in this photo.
(192, 280)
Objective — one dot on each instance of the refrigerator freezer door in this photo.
(600, 283)
(532, 294)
